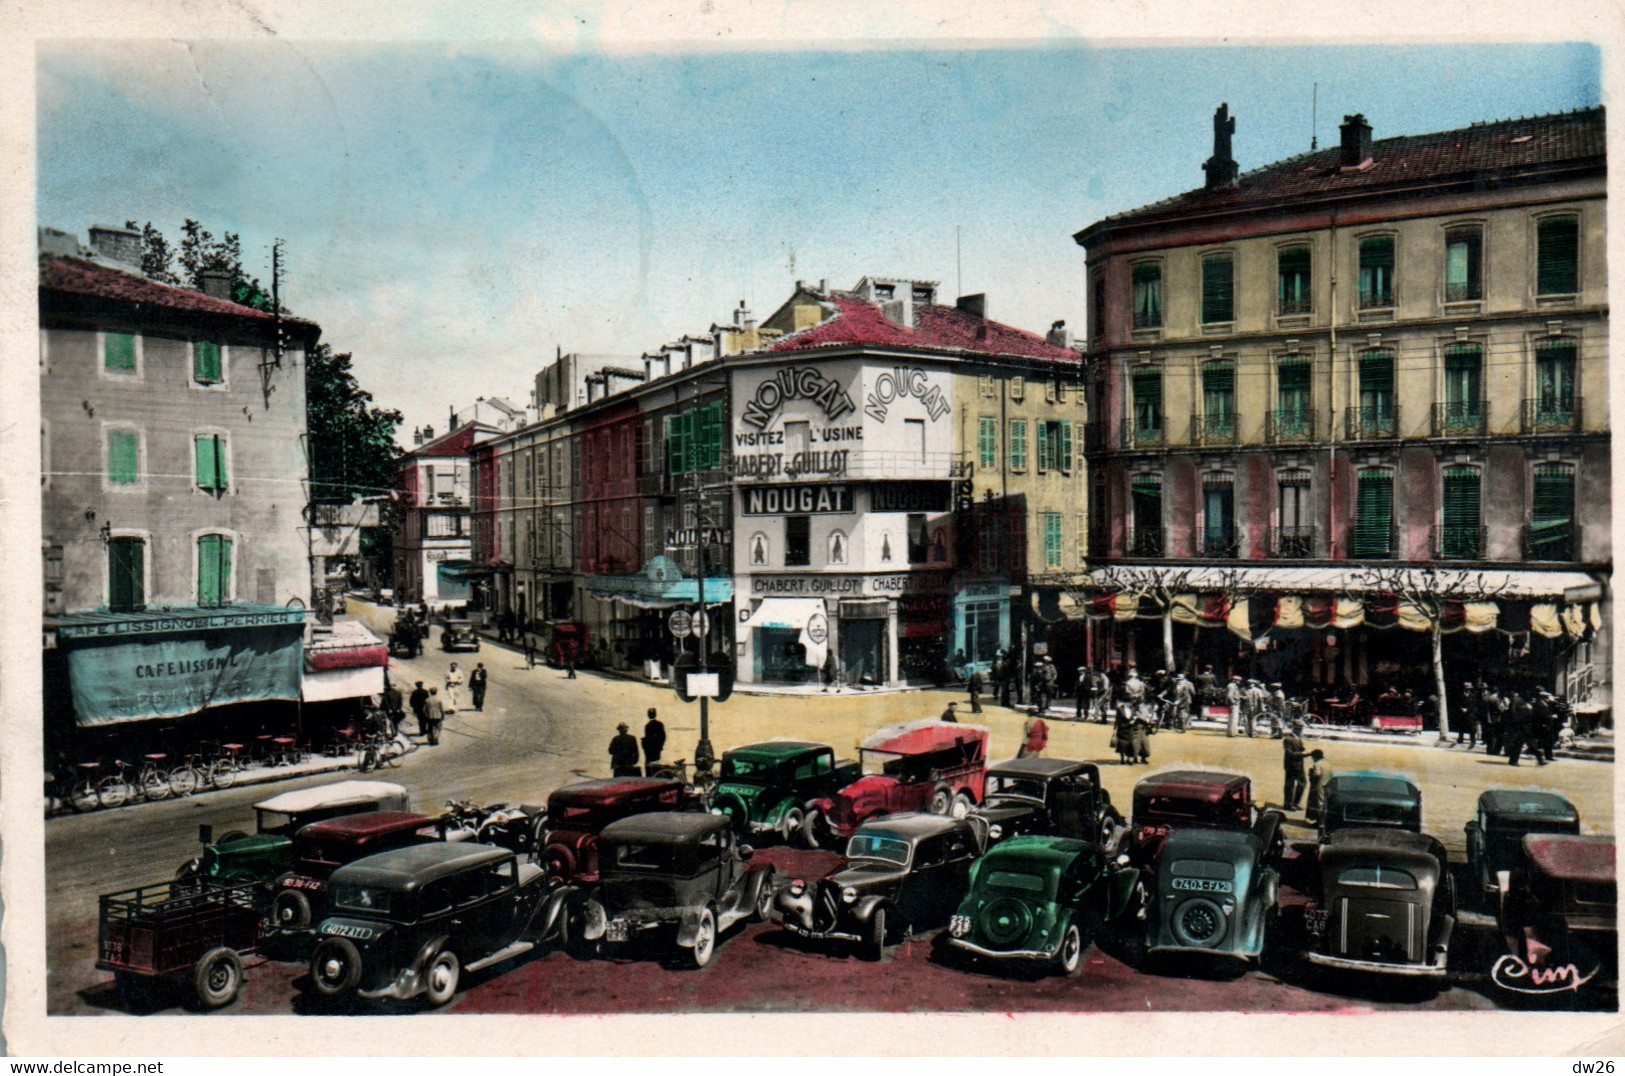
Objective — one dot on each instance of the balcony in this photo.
(1146, 543)
(1222, 546)
(1459, 418)
(1295, 542)
(1368, 423)
(1459, 543)
(1551, 414)
(1290, 426)
(1219, 429)
(1551, 542)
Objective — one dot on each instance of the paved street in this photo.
(540, 730)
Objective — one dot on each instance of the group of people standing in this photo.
(429, 707)
(623, 749)
(1512, 720)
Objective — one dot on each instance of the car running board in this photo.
(500, 955)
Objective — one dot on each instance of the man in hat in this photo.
(477, 683)
(1232, 699)
(975, 683)
(1468, 716)
(417, 700)
(434, 715)
(1252, 705)
(623, 753)
(654, 742)
(1292, 756)
(394, 705)
(1184, 696)
(951, 713)
(1277, 708)
(1320, 771)
(1207, 683)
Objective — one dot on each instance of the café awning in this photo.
(660, 584)
(796, 614)
(1489, 582)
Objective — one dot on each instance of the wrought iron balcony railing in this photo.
(1363, 423)
(1456, 418)
(1216, 429)
(1291, 425)
(1293, 542)
(1458, 543)
(1215, 544)
(1145, 434)
(1551, 414)
(1146, 543)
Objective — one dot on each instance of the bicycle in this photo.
(82, 793)
(223, 762)
(150, 781)
(700, 785)
(186, 777)
(379, 749)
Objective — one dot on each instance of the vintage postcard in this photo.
(828, 523)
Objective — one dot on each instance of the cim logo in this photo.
(1511, 973)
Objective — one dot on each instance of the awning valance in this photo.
(334, 684)
(347, 645)
(1469, 583)
(805, 615)
(104, 624)
(660, 585)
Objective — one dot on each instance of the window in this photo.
(1295, 537)
(987, 545)
(919, 542)
(914, 436)
(694, 439)
(1554, 381)
(1219, 516)
(1052, 539)
(1083, 538)
(982, 635)
(987, 442)
(1463, 377)
(797, 437)
(213, 569)
(1292, 280)
(1017, 450)
(209, 452)
(1557, 262)
(1145, 497)
(1219, 400)
(1377, 271)
(1018, 388)
(1551, 515)
(118, 352)
(797, 541)
(1293, 417)
(1373, 514)
(1376, 414)
(1463, 251)
(1054, 446)
(126, 574)
(206, 362)
(1458, 517)
(1147, 295)
(1148, 405)
(123, 457)
(990, 386)
(1218, 288)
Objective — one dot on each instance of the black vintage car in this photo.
(1504, 816)
(1369, 799)
(676, 877)
(1215, 894)
(1558, 916)
(904, 872)
(1054, 797)
(1384, 904)
(410, 921)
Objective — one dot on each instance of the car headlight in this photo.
(995, 831)
(848, 895)
(798, 887)
(959, 925)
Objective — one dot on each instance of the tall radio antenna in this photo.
(1314, 119)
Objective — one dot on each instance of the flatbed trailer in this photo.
(193, 931)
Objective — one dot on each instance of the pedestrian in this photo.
(950, 713)
(1001, 679)
(570, 661)
(454, 684)
(1140, 728)
(1045, 677)
(975, 684)
(1184, 701)
(1515, 727)
(394, 707)
(1277, 709)
(654, 742)
(1100, 690)
(1542, 730)
(1253, 703)
(831, 671)
(477, 681)
(1207, 684)
(623, 753)
(1232, 698)
(1490, 707)
(1034, 735)
(434, 715)
(1320, 771)
(1470, 703)
(1292, 756)
(419, 700)
(1082, 691)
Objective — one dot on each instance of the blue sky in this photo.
(455, 212)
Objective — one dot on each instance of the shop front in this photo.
(791, 625)
(981, 622)
(626, 615)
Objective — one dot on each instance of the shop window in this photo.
(206, 362)
(982, 635)
(213, 569)
(1463, 264)
(1557, 261)
(126, 574)
(1147, 295)
(987, 442)
(1292, 280)
(1218, 289)
(1377, 271)
(209, 454)
(797, 541)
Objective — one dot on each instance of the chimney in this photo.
(974, 305)
(117, 244)
(1356, 141)
(217, 284)
(1221, 167)
(1058, 336)
(428, 434)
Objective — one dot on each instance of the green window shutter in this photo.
(221, 480)
(123, 457)
(204, 447)
(118, 351)
(677, 444)
(1052, 539)
(1377, 372)
(711, 458)
(208, 570)
(1558, 260)
(1046, 446)
(206, 360)
(1552, 513)
(1218, 288)
(1459, 515)
(225, 569)
(1373, 514)
(126, 567)
(1065, 453)
(987, 439)
(1018, 444)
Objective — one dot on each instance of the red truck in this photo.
(928, 765)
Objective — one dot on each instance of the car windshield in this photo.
(1016, 881)
(275, 821)
(1014, 788)
(361, 898)
(748, 769)
(1377, 877)
(1378, 814)
(872, 846)
(1186, 809)
(646, 857)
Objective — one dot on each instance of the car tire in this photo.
(791, 824)
(942, 800)
(812, 829)
(874, 938)
(962, 806)
(559, 862)
(189, 875)
(764, 897)
(705, 939)
(218, 977)
(1199, 923)
(440, 978)
(291, 910)
(231, 835)
(1069, 960)
(335, 967)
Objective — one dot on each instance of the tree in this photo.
(352, 442)
(157, 258)
(200, 252)
(1162, 586)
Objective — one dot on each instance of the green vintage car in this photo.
(266, 853)
(772, 788)
(1040, 899)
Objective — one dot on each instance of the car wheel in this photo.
(941, 801)
(1199, 923)
(559, 862)
(231, 835)
(335, 966)
(764, 897)
(440, 981)
(874, 942)
(218, 977)
(291, 910)
(705, 939)
(189, 875)
(791, 824)
(812, 829)
(1070, 958)
(962, 805)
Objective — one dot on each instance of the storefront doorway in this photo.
(863, 651)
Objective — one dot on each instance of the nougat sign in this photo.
(798, 383)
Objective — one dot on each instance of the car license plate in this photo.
(1315, 919)
(616, 931)
(1203, 885)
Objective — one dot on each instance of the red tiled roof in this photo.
(940, 328)
(1502, 148)
(79, 277)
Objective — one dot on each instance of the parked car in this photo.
(406, 635)
(1496, 832)
(930, 765)
(1040, 899)
(1384, 904)
(412, 920)
(264, 854)
(458, 635)
(775, 787)
(1215, 894)
(905, 872)
(677, 878)
(1174, 800)
(1559, 910)
(577, 814)
(1366, 799)
(1047, 796)
(322, 847)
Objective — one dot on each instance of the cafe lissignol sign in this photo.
(176, 675)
